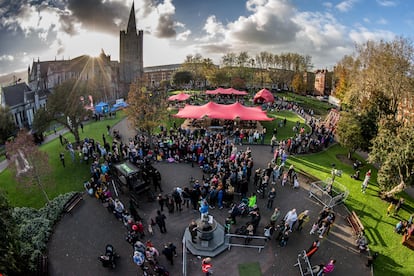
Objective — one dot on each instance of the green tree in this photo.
(7, 126)
(146, 110)
(220, 77)
(9, 244)
(66, 105)
(393, 148)
(348, 131)
(198, 66)
(181, 78)
(42, 120)
(30, 165)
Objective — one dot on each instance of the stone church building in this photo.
(131, 65)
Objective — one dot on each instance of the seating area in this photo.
(355, 223)
(72, 202)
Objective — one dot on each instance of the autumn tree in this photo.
(342, 76)
(379, 80)
(199, 67)
(7, 126)
(381, 76)
(66, 105)
(29, 165)
(146, 109)
(298, 84)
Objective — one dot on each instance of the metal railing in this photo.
(307, 269)
(184, 257)
(244, 237)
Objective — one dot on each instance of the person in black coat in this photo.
(160, 220)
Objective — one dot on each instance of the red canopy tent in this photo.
(264, 96)
(179, 97)
(221, 111)
(227, 91)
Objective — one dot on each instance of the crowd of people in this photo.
(228, 170)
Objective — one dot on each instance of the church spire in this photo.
(132, 26)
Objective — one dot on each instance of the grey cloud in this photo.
(274, 31)
(147, 7)
(98, 15)
(166, 26)
(215, 48)
(67, 25)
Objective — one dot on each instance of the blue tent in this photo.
(118, 106)
(102, 108)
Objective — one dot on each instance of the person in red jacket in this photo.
(206, 266)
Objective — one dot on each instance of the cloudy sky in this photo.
(173, 29)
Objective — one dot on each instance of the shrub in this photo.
(35, 227)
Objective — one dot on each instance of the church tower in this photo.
(131, 64)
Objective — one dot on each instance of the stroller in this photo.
(108, 259)
(160, 270)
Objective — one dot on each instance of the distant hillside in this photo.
(8, 79)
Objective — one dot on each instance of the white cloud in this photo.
(213, 28)
(345, 6)
(327, 5)
(386, 3)
(6, 58)
(361, 35)
(183, 35)
(382, 21)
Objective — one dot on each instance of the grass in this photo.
(394, 259)
(319, 107)
(286, 131)
(250, 269)
(66, 179)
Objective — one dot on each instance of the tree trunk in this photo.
(400, 187)
(39, 183)
(75, 132)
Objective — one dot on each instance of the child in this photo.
(389, 209)
(284, 179)
(314, 228)
(322, 230)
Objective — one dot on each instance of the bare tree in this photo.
(30, 165)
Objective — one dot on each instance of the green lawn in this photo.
(66, 179)
(250, 269)
(320, 108)
(394, 259)
(286, 131)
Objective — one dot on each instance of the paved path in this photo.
(81, 236)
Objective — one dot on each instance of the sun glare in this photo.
(87, 43)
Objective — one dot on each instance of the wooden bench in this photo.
(355, 223)
(408, 241)
(72, 202)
